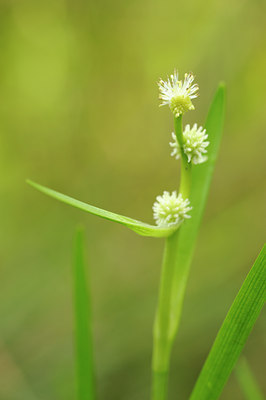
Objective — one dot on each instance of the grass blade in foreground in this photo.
(247, 381)
(233, 333)
(137, 226)
(83, 334)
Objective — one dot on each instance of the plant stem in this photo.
(162, 338)
(181, 269)
(167, 316)
(179, 131)
(185, 179)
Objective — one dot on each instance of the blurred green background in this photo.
(79, 113)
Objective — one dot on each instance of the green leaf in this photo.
(201, 176)
(202, 173)
(137, 226)
(83, 330)
(247, 381)
(179, 248)
(233, 334)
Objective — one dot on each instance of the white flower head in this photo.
(170, 209)
(194, 146)
(178, 94)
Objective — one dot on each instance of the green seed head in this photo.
(180, 104)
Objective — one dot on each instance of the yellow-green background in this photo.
(79, 113)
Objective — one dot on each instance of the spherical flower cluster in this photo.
(178, 94)
(170, 209)
(194, 146)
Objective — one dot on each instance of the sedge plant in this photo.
(177, 218)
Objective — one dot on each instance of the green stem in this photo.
(162, 340)
(179, 130)
(185, 179)
(167, 316)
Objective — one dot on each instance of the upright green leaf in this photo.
(83, 330)
(179, 248)
(201, 179)
(137, 226)
(233, 333)
(247, 381)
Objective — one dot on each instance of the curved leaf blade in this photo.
(233, 334)
(137, 226)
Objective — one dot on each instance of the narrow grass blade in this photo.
(202, 174)
(201, 179)
(233, 334)
(83, 333)
(137, 226)
(247, 381)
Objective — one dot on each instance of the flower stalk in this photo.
(167, 317)
(185, 178)
(162, 333)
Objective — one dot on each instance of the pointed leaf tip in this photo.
(139, 227)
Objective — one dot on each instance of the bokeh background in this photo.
(79, 113)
